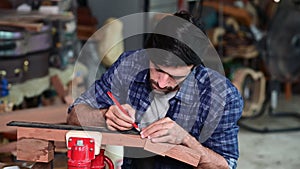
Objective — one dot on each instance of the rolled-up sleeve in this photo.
(224, 140)
(88, 97)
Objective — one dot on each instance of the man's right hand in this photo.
(117, 120)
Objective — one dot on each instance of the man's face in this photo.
(167, 79)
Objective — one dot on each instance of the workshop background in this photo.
(258, 42)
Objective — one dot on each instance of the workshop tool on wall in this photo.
(85, 152)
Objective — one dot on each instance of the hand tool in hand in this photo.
(122, 109)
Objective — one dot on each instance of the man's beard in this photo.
(167, 89)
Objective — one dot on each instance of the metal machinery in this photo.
(85, 152)
(280, 50)
(259, 64)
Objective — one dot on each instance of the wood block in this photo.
(35, 150)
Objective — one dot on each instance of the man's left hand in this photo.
(165, 130)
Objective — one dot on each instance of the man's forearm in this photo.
(208, 159)
(84, 115)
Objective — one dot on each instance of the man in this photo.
(173, 97)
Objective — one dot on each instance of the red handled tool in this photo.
(122, 109)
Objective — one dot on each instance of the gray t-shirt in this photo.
(158, 108)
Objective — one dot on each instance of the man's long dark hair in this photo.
(176, 52)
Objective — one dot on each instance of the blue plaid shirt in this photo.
(207, 105)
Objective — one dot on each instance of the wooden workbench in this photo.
(36, 145)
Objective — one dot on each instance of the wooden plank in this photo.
(190, 156)
(122, 140)
(35, 150)
(58, 86)
(48, 114)
(28, 26)
(43, 134)
(174, 151)
(158, 148)
(60, 135)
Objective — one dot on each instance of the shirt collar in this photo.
(187, 91)
(142, 77)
